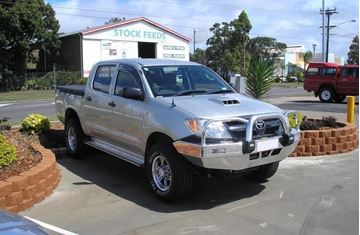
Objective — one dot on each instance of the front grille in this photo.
(273, 127)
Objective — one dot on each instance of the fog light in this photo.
(287, 140)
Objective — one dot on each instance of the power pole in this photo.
(323, 31)
(194, 40)
(328, 13)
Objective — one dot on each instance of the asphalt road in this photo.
(101, 194)
(304, 101)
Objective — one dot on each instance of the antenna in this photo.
(173, 101)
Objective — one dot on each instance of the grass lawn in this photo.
(288, 84)
(27, 95)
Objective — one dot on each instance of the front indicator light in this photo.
(187, 148)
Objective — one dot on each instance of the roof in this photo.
(323, 64)
(126, 22)
(150, 62)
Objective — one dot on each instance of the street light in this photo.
(328, 35)
(314, 46)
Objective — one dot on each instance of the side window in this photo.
(352, 72)
(330, 71)
(312, 71)
(102, 78)
(127, 77)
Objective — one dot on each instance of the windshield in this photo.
(184, 80)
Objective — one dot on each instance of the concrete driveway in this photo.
(101, 194)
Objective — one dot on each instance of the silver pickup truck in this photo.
(175, 119)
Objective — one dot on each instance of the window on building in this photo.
(127, 77)
(102, 78)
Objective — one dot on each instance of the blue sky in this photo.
(291, 21)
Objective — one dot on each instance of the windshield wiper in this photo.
(222, 92)
(190, 92)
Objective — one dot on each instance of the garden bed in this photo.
(341, 138)
(27, 157)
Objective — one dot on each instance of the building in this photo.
(331, 59)
(291, 60)
(133, 38)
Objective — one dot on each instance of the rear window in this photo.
(102, 78)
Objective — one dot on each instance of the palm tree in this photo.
(307, 58)
(259, 77)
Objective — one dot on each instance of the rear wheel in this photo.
(340, 98)
(74, 137)
(264, 172)
(169, 174)
(326, 94)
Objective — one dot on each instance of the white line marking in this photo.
(51, 227)
(284, 176)
(264, 225)
(2, 105)
(281, 194)
(243, 206)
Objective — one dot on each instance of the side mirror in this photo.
(132, 93)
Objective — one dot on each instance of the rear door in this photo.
(127, 114)
(96, 108)
(348, 82)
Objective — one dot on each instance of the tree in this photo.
(307, 58)
(259, 76)
(115, 20)
(24, 25)
(266, 47)
(353, 54)
(226, 48)
(199, 56)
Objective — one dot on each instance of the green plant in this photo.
(291, 118)
(329, 121)
(310, 125)
(35, 124)
(259, 77)
(3, 124)
(7, 152)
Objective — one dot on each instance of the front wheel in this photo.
(169, 174)
(264, 172)
(326, 95)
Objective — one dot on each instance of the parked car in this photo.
(13, 224)
(173, 118)
(332, 81)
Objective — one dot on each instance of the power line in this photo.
(328, 13)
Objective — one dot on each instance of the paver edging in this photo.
(20, 192)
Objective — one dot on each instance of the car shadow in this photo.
(129, 182)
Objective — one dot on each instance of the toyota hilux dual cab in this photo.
(174, 118)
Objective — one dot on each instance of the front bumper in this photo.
(235, 155)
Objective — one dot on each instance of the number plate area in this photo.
(264, 145)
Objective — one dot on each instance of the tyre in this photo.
(74, 138)
(169, 174)
(340, 98)
(264, 172)
(326, 95)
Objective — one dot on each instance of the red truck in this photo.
(332, 82)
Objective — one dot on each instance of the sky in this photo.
(294, 22)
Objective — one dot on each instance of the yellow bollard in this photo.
(350, 109)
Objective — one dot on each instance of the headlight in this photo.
(215, 130)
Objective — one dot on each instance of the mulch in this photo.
(26, 156)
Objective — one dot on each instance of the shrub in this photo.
(3, 124)
(291, 118)
(35, 124)
(7, 152)
(310, 125)
(329, 121)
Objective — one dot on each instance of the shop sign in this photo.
(139, 34)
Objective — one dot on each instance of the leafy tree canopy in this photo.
(353, 54)
(266, 47)
(24, 24)
(115, 20)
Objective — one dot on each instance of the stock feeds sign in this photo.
(139, 34)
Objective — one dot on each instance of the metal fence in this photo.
(39, 80)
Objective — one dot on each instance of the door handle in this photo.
(88, 98)
(112, 104)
